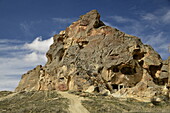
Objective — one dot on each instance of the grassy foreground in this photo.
(103, 104)
(52, 102)
(33, 102)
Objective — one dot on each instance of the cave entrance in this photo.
(96, 89)
(128, 70)
(117, 87)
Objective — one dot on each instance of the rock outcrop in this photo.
(90, 56)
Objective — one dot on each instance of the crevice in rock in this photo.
(164, 71)
(60, 54)
(114, 55)
(109, 87)
(49, 56)
(68, 82)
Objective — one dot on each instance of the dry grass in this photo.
(105, 104)
(52, 102)
(34, 102)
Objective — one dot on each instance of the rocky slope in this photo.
(90, 56)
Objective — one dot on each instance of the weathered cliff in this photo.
(90, 56)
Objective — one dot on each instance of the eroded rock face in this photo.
(89, 54)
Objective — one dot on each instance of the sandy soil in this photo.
(75, 103)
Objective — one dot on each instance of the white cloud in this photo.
(156, 39)
(109, 24)
(21, 59)
(158, 17)
(164, 46)
(34, 57)
(26, 28)
(52, 33)
(10, 41)
(5, 47)
(121, 19)
(149, 17)
(128, 25)
(39, 45)
(159, 41)
(166, 17)
(9, 85)
(64, 20)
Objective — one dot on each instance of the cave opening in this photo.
(138, 56)
(96, 89)
(117, 86)
(61, 79)
(152, 71)
(141, 63)
(85, 42)
(128, 70)
(115, 69)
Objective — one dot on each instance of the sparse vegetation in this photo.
(5, 93)
(52, 102)
(34, 102)
(105, 104)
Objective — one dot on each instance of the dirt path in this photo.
(75, 103)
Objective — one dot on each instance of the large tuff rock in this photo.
(89, 55)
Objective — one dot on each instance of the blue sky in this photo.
(26, 28)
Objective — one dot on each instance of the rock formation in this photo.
(90, 56)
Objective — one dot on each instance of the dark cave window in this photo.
(78, 73)
(138, 55)
(121, 86)
(100, 69)
(141, 63)
(128, 71)
(138, 46)
(85, 42)
(117, 86)
(135, 56)
(153, 69)
(60, 39)
(62, 78)
(114, 86)
(134, 70)
(136, 50)
(164, 71)
(115, 69)
(96, 89)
